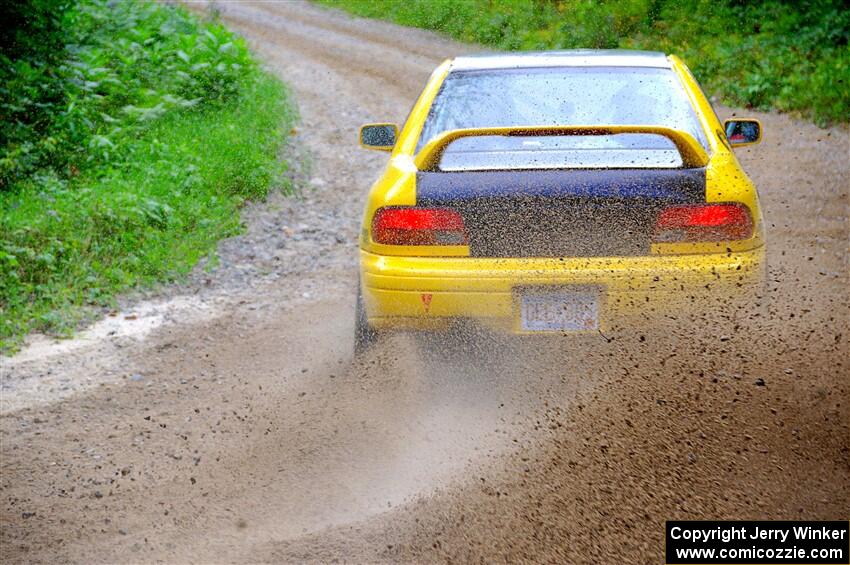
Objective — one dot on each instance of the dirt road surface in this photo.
(223, 420)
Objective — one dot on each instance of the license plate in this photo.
(559, 311)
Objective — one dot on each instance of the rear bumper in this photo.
(432, 292)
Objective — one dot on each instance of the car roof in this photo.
(568, 58)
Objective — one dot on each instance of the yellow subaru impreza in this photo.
(557, 192)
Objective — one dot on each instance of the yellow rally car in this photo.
(557, 192)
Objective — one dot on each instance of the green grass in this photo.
(768, 54)
(146, 178)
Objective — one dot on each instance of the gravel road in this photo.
(223, 420)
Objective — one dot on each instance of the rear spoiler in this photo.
(693, 154)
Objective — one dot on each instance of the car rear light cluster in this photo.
(418, 226)
(703, 222)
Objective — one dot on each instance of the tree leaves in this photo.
(115, 76)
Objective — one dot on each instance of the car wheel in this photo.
(364, 335)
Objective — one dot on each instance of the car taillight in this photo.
(703, 222)
(418, 226)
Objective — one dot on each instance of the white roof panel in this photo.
(571, 58)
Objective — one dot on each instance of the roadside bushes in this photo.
(127, 149)
(122, 66)
(791, 56)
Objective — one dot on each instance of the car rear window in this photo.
(561, 96)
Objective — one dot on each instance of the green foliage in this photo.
(32, 28)
(124, 65)
(791, 56)
(158, 129)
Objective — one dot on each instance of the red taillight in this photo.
(418, 226)
(704, 222)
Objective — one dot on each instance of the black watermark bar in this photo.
(706, 542)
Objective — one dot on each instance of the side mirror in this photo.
(742, 132)
(379, 136)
